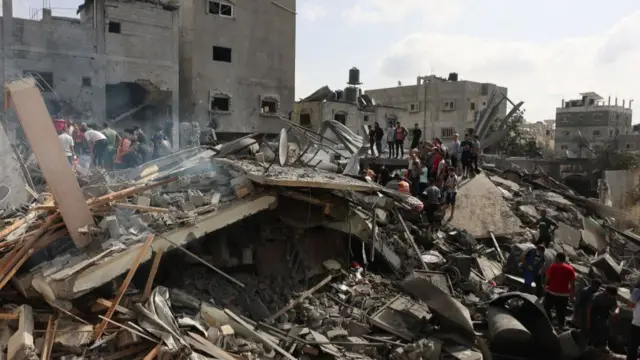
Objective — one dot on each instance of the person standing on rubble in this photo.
(391, 138)
(451, 186)
(372, 140)
(113, 141)
(379, 134)
(158, 140)
(455, 152)
(424, 178)
(583, 301)
(385, 176)
(634, 331)
(414, 171)
(432, 194)
(142, 143)
(416, 135)
(97, 143)
(560, 282)
(532, 263)
(67, 144)
(546, 227)
(476, 152)
(466, 158)
(400, 135)
(603, 305)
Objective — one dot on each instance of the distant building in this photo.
(349, 107)
(237, 63)
(543, 132)
(590, 123)
(452, 106)
(117, 62)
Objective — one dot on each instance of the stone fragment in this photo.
(143, 201)
(21, 346)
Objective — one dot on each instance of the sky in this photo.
(542, 51)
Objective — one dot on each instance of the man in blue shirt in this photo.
(532, 263)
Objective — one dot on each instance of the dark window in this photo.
(221, 54)
(269, 106)
(412, 107)
(472, 106)
(43, 79)
(341, 118)
(305, 119)
(114, 27)
(86, 81)
(220, 103)
(366, 118)
(222, 9)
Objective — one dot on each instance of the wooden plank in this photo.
(49, 337)
(153, 353)
(15, 269)
(257, 335)
(125, 284)
(152, 274)
(207, 346)
(303, 296)
(43, 139)
(102, 304)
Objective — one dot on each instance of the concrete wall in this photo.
(355, 117)
(12, 181)
(621, 182)
(468, 97)
(261, 36)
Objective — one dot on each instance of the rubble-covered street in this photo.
(250, 251)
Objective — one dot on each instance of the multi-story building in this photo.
(543, 132)
(442, 107)
(590, 123)
(237, 63)
(117, 62)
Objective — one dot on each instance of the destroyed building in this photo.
(237, 63)
(585, 125)
(249, 250)
(452, 105)
(349, 107)
(117, 62)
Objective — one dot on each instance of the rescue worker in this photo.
(546, 227)
(560, 284)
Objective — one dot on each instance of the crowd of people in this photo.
(433, 170)
(108, 148)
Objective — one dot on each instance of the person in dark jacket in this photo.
(583, 300)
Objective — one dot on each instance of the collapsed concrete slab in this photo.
(480, 209)
(70, 283)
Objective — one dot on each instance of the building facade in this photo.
(590, 123)
(237, 63)
(118, 62)
(543, 132)
(441, 107)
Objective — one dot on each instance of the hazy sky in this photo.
(541, 50)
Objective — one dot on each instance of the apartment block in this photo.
(442, 106)
(237, 63)
(590, 122)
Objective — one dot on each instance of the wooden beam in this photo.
(152, 274)
(153, 353)
(43, 139)
(125, 284)
(49, 337)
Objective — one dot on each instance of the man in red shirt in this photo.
(560, 284)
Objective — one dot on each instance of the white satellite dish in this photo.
(283, 147)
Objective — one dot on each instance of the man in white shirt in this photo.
(97, 143)
(67, 145)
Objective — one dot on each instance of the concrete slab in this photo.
(594, 235)
(568, 235)
(505, 184)
(480, 208)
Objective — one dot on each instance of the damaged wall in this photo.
(137, 41)
(12, 182)
(258, 45)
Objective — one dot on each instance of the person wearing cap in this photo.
(532, 263)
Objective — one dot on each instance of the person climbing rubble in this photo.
(560, 284)
(583, 300)
(546, 228)
(532, 263)
(602, 308)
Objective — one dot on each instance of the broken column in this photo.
(506, 333)
(21, 344)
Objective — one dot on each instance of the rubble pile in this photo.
(235, 253)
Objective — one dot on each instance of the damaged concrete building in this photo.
(350, 107)
(452, 105)
(117, 62)
(237, 64)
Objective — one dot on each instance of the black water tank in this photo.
(351, 94)
(453, 76)
(354, 76)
